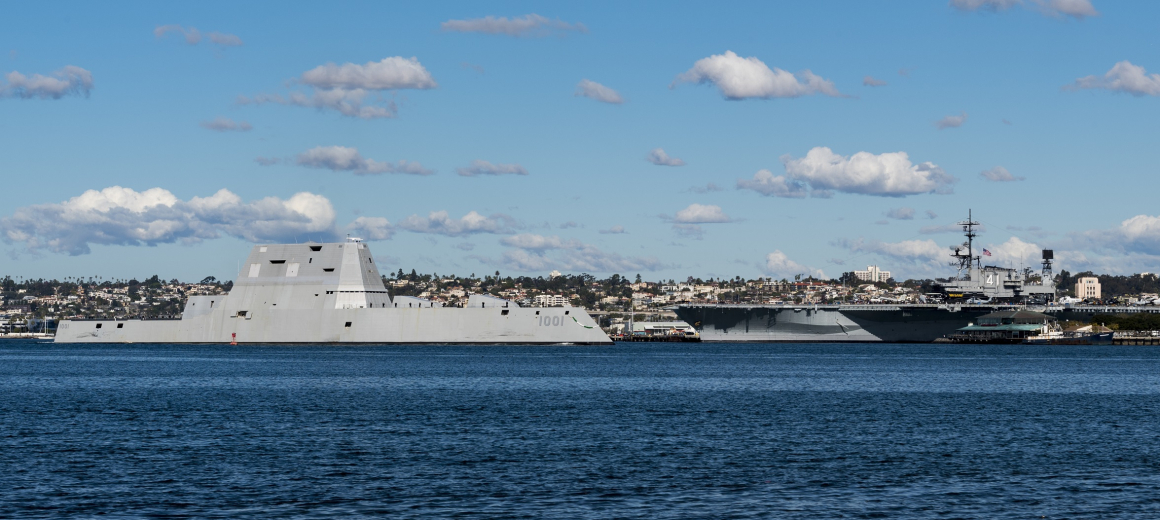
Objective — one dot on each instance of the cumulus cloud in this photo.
(440, 223)
(923, 253)
(481, 167)
(594, 90)
(951, 121)
(1078, 9)
(122, 216)
(193, 37)
(999, 174)
(701, 214)
(532, 25)
(986, 5)
(372, 228)
(1123, 77)
(342, 158)
(822, 172)
(871, 81)
(353, 90)
(770, 185)
(614, 230)
(267, 161)
(542, 253)
(743, 78)
(778, 265)
(658, 157)
(68, 81)
(900, 214)
(388, 74)
(1138, 234)
(225, 124)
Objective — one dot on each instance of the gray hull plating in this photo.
(332, 293)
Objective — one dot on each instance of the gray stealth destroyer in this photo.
(333, 293)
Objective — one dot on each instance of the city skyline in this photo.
(760, 140)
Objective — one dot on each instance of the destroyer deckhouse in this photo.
(333, 293)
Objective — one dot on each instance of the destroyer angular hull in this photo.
(332, 293)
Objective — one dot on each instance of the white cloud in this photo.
(924, 253)
(342, 158)
(701, 214)
(193, 37)
(594, 90)
(988, 5)
(951, 121)
(440, 223)
(871, 81)
(68, 81)
(778, 265)
(931, 214)
(528, 25)
(388, 74)
(614, 230)
(1012, 253)
(225, 124)
(821, 172)
(900, 213)
(267, 161)
(122, 216)
(346, 102)
(770, 185)
(658, 157)
(481, 167)
(353, 90)
(225, 40)
(372, 228)
(743, 78)
(541, 253)
(999, 174)
(1078, 9)
(1123, 77)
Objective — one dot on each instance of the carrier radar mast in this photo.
(964, 261)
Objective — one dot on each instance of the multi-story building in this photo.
(1088, 288)
(550, 300)
(872, 274)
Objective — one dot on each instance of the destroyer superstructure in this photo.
(333, 293)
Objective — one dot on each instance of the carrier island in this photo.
(333, 293)
(976, 290)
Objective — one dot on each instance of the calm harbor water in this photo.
(629, 431)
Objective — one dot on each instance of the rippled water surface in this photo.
(630, 431)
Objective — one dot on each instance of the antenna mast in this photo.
(964, 261)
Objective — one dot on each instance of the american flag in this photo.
(986, 253)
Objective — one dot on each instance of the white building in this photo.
(872, 274)
(1087, 287)
(551, 300)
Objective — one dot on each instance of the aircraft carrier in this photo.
(333, 293)
(976, 290)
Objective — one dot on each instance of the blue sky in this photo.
(481, 147)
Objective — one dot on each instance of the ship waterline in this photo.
(333, 293)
